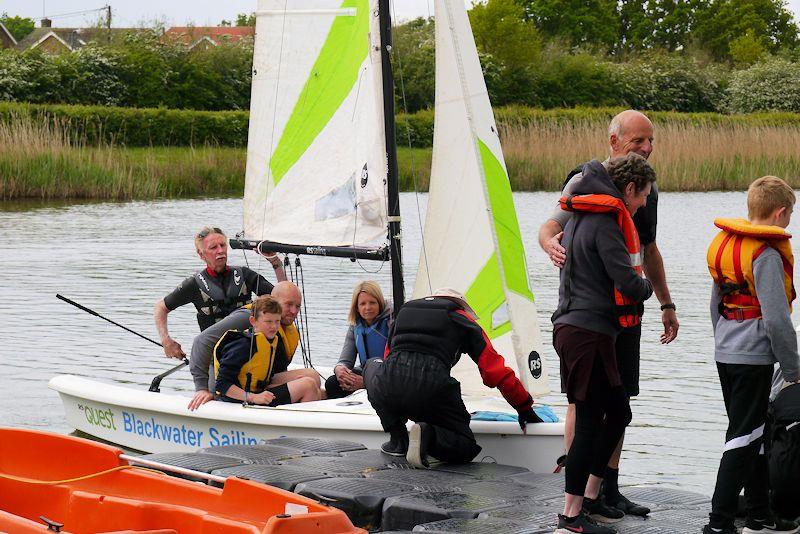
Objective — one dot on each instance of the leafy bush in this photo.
(90, 75)
(671, 82)
(773, 85)
(141, 71)
(567, 80)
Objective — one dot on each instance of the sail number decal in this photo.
(535, 364)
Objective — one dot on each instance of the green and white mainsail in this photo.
(472, 238)
(316, 154)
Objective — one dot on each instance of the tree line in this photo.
(682, 55)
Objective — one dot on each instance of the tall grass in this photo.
(686, 156)
(42, 160)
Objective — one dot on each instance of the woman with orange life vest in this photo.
(601, 290)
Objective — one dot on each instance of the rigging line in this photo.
(424, 251)
(304, 314)
(274, 117)
(252, 309)
(355, 256)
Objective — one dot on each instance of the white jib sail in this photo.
(472, 239)
(316, 156)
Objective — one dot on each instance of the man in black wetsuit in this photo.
(215, 291)
(413, 380)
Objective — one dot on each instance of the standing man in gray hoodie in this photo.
(629, 131)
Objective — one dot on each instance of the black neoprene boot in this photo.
(397, 444)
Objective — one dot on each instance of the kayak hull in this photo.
(87, 487)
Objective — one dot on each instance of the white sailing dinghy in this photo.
(322, 179)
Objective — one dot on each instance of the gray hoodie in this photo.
(597, 261)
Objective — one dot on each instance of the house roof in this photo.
(5, 30)
(192, 35)
(74, 37)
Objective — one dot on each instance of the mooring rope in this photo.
(35, 481)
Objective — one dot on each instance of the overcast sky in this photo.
(126, 13)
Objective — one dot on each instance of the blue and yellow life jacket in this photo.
(256, 373)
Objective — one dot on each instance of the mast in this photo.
(393, 196)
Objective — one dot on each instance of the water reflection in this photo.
(120, 258)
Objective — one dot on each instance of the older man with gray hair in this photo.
(629, 131)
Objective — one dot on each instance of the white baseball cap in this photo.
(457, 297)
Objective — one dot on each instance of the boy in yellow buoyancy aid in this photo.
(751, 264)
(245, 362)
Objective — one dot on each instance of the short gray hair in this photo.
(631, 168)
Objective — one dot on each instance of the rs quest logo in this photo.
(98, 417)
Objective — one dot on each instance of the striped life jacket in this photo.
(730, 260)
(627, 310)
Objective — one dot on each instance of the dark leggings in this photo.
(600, 421)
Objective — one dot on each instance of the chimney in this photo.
(47, 23)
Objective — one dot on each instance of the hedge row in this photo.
(137, 126)
(167, 127)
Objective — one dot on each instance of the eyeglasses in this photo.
(208, 230)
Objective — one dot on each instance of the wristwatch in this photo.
(668, 306)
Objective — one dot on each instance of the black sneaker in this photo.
(597, 510)
(397, 444)
(773, 524)
(419, 438)
(723, 530)
(582, 524)
(620, 502)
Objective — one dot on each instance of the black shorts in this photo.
(627, 352)
(587, 361)
(627, 349)
(282, 395)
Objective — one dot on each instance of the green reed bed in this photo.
(42, 161)
(698, 152)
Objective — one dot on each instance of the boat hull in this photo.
(89, 487)
(159, 422)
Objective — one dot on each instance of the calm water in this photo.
(120, 258)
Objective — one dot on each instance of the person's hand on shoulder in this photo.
(172, 349)
(554, 250)
(528, 416)
(200, 398)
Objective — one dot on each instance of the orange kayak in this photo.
(79, 486)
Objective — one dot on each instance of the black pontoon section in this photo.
(354, 253)
(385, 494)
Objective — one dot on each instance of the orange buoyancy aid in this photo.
(628, 310)
(730, 260)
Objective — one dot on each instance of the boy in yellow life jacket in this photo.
(751, 263)
(245, 362)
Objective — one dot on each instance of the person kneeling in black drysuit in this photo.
(413, 380)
